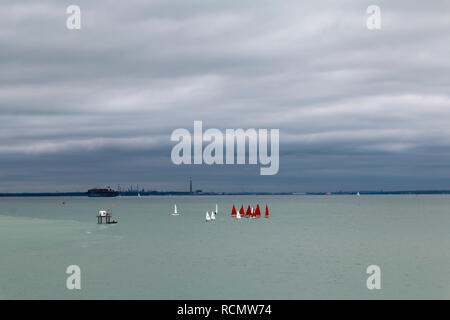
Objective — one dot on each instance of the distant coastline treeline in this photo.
(184, 193)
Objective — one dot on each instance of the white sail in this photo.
(238, 215)
(208, 218)
(217, 209)
(358, 194)
(213, 215)
(175, 211)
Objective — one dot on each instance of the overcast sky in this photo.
(357, 109)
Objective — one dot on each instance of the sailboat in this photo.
(266, 214)
(241, 212)
(238, 215)
(248, 213)
(139, 195)
(175, 211)
(233, 211)
(358, 194)
(257, 211)
(208, 218)
(213, 215)
(217, 209)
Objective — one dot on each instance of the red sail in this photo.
(233, 211)
(266, 215)
(249, 211)
(241, 211)
(257, 211)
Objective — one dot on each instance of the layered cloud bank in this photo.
(356, 109)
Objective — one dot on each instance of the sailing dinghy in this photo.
(241, 210)
(248, 213)
(175, 211)
(233, 211)
(257, 211)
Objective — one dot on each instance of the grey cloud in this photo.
(339, 93)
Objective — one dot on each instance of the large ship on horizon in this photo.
(102, 192)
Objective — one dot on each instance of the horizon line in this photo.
(215, 193)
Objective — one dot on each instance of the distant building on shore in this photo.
(102, 192)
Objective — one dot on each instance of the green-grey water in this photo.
(311, 247)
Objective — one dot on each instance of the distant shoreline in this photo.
(180, 193)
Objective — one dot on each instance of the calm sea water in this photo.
(314, 247)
